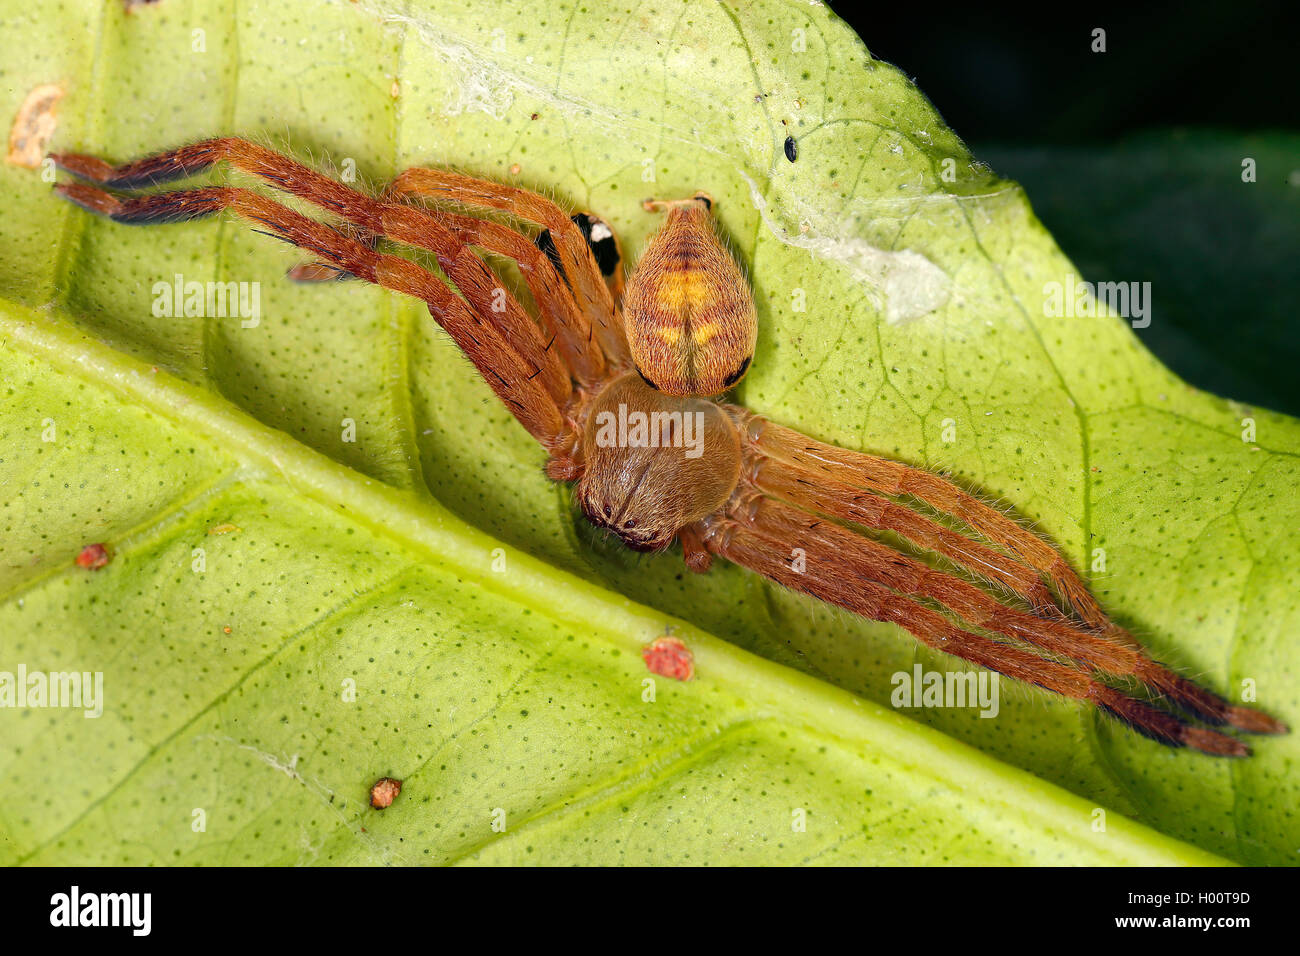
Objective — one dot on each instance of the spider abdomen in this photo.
(654, 463)
(690, 317)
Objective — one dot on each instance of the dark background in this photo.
(1132, 157)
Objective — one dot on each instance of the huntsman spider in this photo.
(592, 352)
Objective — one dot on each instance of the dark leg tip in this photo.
(90, 199)
(1214, 743)
(1255, 721)
(311, 272)
(85, 167)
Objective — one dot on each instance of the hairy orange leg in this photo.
(839, 571)
(890, 477)
(895, 478)
(593, 294)
(512, 376)
(553, 296)
(555, 303)
(1094, 647)
(365, 219)
(842, 501)
(910, 577)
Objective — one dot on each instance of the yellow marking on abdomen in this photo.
(706, 332)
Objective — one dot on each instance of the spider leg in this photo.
(1060, 637)
(1112, 649)
(804, 488)
(516, 378)
(559, 311)
(896, 478)
(546, 283)
(837, 570)
(562, 239)
(317, 271)
(367, 219)
(838, 465)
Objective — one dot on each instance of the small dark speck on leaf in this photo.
(791, 149)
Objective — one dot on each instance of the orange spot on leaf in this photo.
(383, 792)
(34, 125)
(669, 657)
(94, 556)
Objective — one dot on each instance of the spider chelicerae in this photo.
(620, 385)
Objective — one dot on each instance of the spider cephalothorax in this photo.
(654, 463)
(615, 385)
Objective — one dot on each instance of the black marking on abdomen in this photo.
(738, 374)
(648, 382)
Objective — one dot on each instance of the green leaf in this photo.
(372, 561)
(1173, 207)
(225, 671)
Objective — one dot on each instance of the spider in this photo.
(623, 385)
